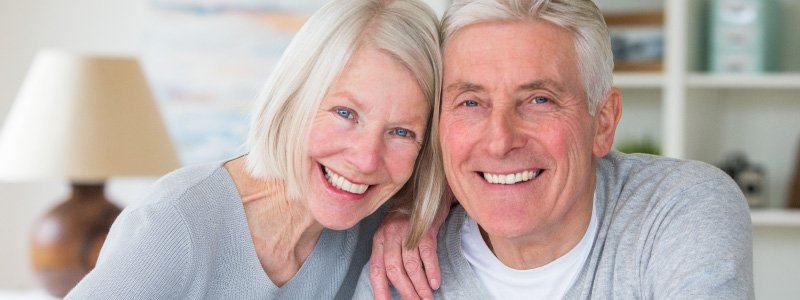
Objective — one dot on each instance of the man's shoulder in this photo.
(680, 219)
(645, 187)
(651, 169)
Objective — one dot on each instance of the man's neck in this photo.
(539, 249)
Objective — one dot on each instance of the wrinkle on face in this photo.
(513, 100)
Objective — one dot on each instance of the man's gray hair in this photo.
(581, 18)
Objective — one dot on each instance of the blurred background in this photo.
(711, 80)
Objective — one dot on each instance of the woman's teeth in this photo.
(343, 184)
(511, 178)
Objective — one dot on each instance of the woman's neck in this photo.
(283, 231)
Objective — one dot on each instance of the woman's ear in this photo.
(606, 119)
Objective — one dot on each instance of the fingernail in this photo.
(434, 284)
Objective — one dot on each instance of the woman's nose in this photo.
(365, 153)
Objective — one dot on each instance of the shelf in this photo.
(745, 81)
(775, 217)
(696, 114)
(655, 80)
(641, 80)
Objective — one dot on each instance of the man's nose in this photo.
(503, 134)
(366, 151)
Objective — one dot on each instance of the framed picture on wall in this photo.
(637, 40)
(206, 61)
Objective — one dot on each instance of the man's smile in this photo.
(510, 178)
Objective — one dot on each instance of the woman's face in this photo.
(365, 139)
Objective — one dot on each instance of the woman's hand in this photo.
(412, 272)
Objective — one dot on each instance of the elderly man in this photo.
(547, 210)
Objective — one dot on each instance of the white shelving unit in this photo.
(703, 116)
(638, 80)
(775, 81)
(776, 218)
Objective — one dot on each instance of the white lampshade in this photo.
(85, 119)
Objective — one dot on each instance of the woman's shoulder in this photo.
(196, 183)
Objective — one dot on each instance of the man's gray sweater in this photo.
(667, 229)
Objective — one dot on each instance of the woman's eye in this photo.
(344, 113)
(540, 100)
(403, 133)
(470, 103)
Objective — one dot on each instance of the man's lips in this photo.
(511, 178)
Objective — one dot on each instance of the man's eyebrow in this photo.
(463, 86)
(543, 84)
(538, 84)
(533, 85)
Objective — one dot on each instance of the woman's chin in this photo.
(339, 223)
(336, 217)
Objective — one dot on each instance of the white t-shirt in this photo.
(550, 281)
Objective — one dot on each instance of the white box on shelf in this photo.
(743, 36)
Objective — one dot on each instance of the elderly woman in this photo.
(337, 131)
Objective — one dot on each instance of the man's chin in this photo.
(506, 232)
(504, 226)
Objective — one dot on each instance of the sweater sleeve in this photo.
(701, 245)
(147, 255)
(363, 287)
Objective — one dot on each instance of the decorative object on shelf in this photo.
(750, 177)
(637, 40)
(794, 185)
(84, 119)
(645, 144)
(743, 36)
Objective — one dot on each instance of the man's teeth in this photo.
(510, 178)
(340, 183)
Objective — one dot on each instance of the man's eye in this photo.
(344, 113)
(540, 100)
(470, 103)
(404, 132)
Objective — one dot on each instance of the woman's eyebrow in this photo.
(349, 96)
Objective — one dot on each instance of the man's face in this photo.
(514, 104)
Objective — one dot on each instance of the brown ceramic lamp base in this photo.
(67, 241)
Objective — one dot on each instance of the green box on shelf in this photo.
(743, 36)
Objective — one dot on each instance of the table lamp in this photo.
(83, 119)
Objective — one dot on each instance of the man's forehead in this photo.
(519, 55)
(475, 33)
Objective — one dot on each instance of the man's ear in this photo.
(606, 119)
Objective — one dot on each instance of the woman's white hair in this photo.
(284, 110)
(581, 18)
